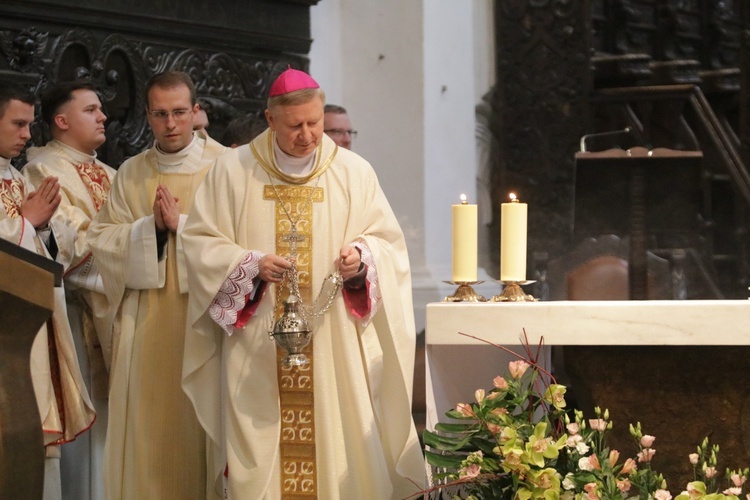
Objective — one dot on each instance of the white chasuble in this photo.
(155, 446)
(62, 398)
(365, 442)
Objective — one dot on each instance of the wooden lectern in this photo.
(639, 193)
(27, 300)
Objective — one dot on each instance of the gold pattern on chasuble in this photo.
(297, 440)
(97, 183)
(11, 196)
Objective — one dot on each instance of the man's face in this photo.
(298, 128)
(337, 126)
(14, 128)
(171, 116)
(82, 120)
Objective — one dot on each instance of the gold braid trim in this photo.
(273, 169)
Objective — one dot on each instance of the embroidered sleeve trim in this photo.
(234, 293)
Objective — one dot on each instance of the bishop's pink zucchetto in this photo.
(292, 80)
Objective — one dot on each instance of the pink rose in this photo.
(572, 428)
(662, 495)
(500, 383)
(647, 441)
(518, 368)
(694, 458)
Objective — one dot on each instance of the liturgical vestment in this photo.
(84, 186)
(155, 446)
(365, 441)
(64, 404)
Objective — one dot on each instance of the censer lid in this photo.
(291, 321)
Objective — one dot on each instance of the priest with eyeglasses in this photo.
(275, 218)
(155, 446)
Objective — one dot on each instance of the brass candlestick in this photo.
(512, 292)
(464, 292)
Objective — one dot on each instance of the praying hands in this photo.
(41, 204)
(166, 210)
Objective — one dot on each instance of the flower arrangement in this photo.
(518, 441)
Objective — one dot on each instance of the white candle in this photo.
(464, 241)
(513, 240)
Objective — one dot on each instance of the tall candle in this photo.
(513, 240)
(464, 241)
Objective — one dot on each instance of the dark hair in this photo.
(242, 130)
(55, 97)
(170, 79)
(334, 108)
(13, 92)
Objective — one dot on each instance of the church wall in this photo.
(406, 73)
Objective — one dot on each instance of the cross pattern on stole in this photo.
(293, 237)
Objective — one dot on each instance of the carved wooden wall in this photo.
(232, 49)
(543, 81)
(555, 61)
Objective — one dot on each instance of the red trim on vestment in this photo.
(244, 315)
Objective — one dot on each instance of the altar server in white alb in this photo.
(26, 219)
(73, 112)
(339, 427)
(155, 446)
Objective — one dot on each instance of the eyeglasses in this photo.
(177, 114)
(339, 132)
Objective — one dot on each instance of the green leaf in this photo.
(445, 443)
(456, 428)
(439, 460)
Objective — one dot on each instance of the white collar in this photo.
(293, 165)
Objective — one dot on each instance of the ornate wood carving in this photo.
(231, 49)
(540, 111)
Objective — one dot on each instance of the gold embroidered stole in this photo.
(96, 181)
(11, 196)
(296, 388)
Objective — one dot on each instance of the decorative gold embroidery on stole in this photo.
(296, 388)
(11, 196)
(96, 181)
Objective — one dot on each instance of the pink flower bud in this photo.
(598, 424)
(629, 465)
(710, 472)
(572, 428)
(464, 409)
(479, 395)
(518, 368)
(614, 455)
(647, 441)
(646, 455)
(738, 480)
(623, 485)
(694, 457)
(500, 383)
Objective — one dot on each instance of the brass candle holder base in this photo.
(514, 293)
(464, 292)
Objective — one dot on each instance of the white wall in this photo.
(405, 71)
